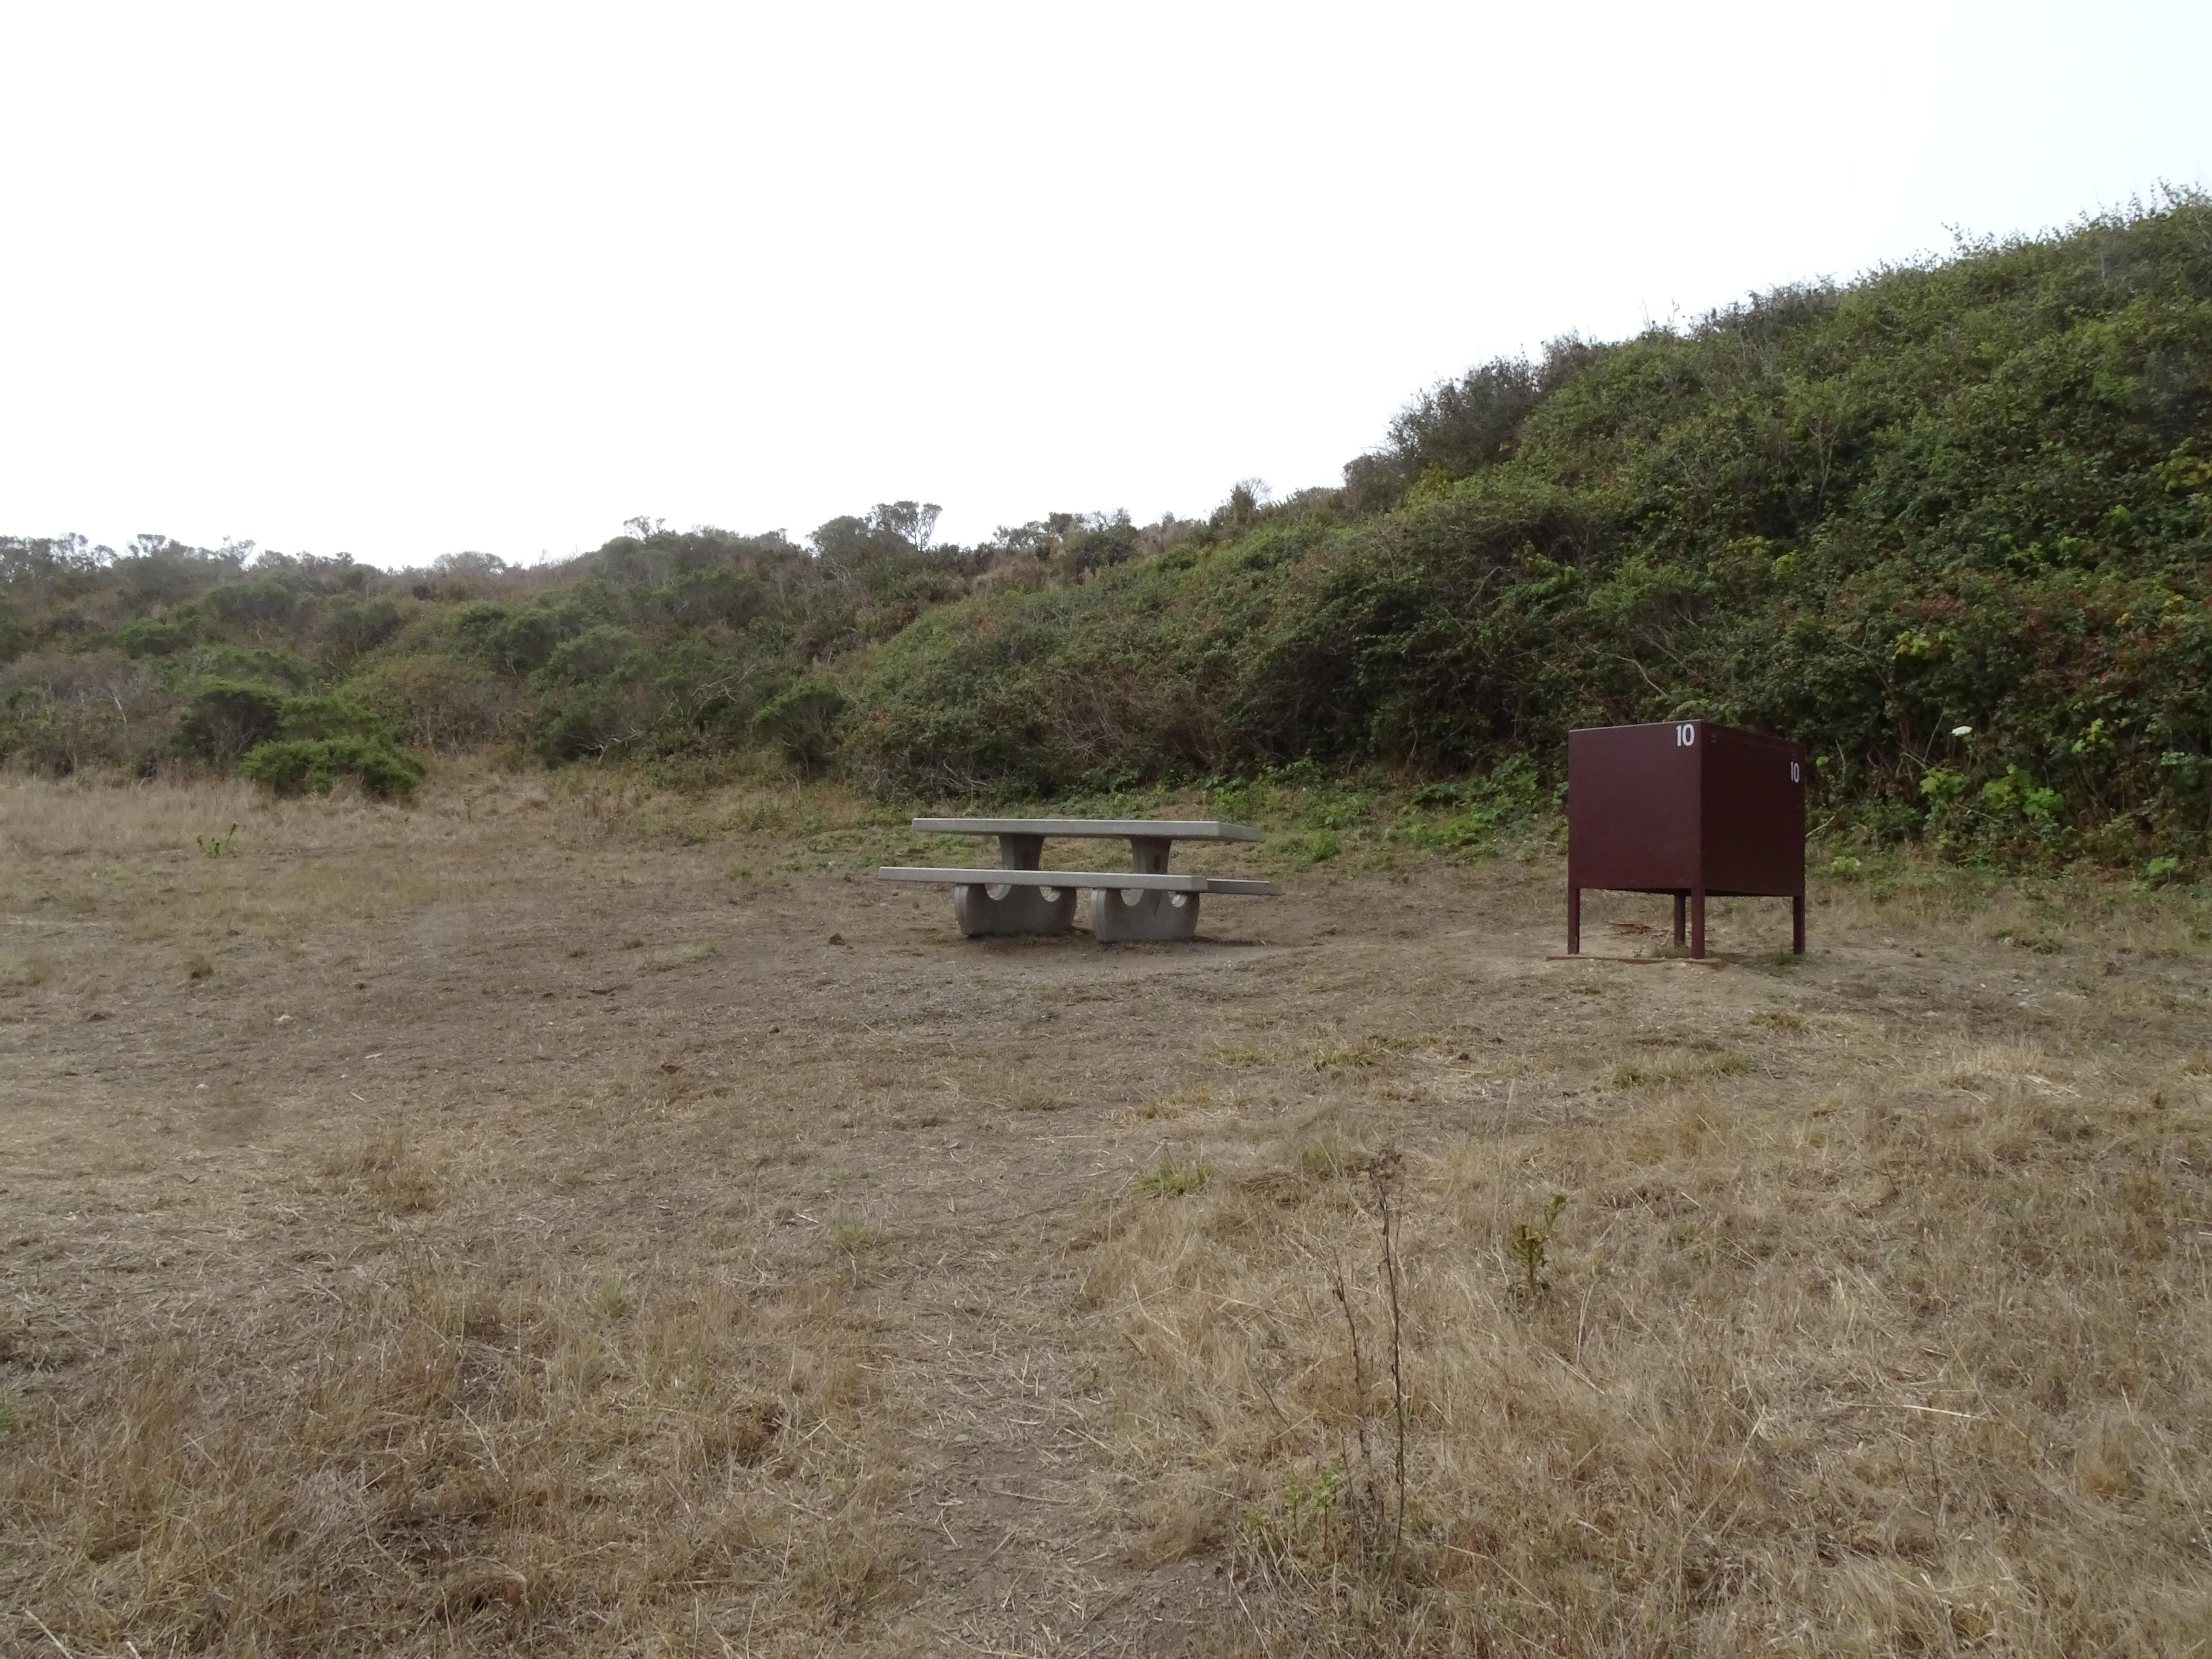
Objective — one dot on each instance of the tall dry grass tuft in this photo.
(451, 1463)
(108, 817)
(1873, 1373)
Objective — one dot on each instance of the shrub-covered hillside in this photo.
(687, 651)
(1949, 524)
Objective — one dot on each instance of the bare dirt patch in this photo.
(571, 1221)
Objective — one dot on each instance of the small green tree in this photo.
(315, 765)
(225, 720)
(804, 720)
(321, 715)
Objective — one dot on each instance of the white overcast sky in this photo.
(401, 280)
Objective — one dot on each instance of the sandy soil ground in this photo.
(559, 1081)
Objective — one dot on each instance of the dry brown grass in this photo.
(454, 1459)
(515, 1224)
(1816, 1371)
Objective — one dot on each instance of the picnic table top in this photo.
(1134, 829)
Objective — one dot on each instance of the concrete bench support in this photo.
(1155, 918)
(1134, 914)
(1023, 909)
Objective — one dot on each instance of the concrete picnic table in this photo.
(1147, 901)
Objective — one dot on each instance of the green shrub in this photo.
(322, 714)
(1952, 523)
(601, 652)
(804, 721)
(152, 637)
(225, 720)
(586, 721)
(435, 700)
(357, 625)
(315, 765)
(263, 665)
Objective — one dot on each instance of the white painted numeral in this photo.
(1685, 736)
(1794, 778)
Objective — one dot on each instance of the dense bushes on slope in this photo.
(685, 650)
(1949, 524)
(1976, 495)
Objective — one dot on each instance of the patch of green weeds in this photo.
(850, 1235)
(1674, 1067)
(1329, 1154)
(1171, 1177)
(1298, 1521)
(1304, 850)
(1371, 1050)
(2158, 872)
(1241, 1055)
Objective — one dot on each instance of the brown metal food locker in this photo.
(1689, 808)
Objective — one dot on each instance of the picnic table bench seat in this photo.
(1147, 901)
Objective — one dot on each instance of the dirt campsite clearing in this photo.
(570, 1221)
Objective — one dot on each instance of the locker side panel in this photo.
(1754, 813)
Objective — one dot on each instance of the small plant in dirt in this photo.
(218, 847)
(1532, 1240)
(1371, 1050)
(1172, 1178)
(1297, 1522)
(850, 1235)
(1675, 1066)
(609, 1298)
(1329, 1154)
(391, 1172)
